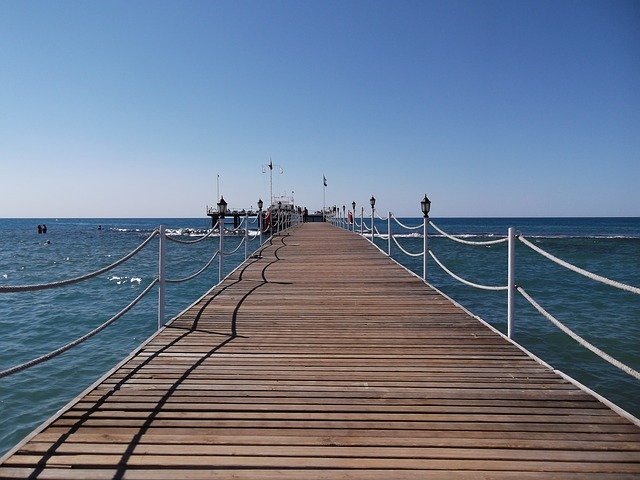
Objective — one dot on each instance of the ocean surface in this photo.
(34, 323)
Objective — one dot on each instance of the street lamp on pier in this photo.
(425, 205)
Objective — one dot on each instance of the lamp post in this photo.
(425, 204)
(372, 201)
(344, 216)
(260, 204)
(222, 211)
(353, 226)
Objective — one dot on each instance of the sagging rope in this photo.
(467, 242)
(71, 281)
(578, 338)
(404, 251)
(78, 341)
(407, 226)
(462, 280)
(236, 249)
(592, 276)
(191, 277)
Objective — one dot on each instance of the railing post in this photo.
(362, 221)
(511, 280)
(425, 246)
(161, 278)
(372, 218)
(389, 234)
(221, 249)
(246, 235)
(260, 226)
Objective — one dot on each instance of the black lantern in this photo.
(353, 204)
(426, 206)
(343, 210)
(222, 207)
(372, 201)
(260, 204)
(279, 205)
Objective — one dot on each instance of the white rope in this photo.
(407, 226)
(406, 253)
(189, 242)
(578, 338)
(467, 242)
(380, 218)
(592, 276)
(462, 280)
(191, 277)
(71, 281)
(55, 353)
(237, 248)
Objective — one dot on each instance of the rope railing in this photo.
(417, 227)
(605, 356)
(78, 341)
(235, 250)
(158, 280)
(467, 242)
(462, 280)
(191, 277)
(419, 254)
(586, 273)
(71, 281)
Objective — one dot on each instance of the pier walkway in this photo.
(324, 359)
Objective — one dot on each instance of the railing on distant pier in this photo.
(351, 223)
(281, 221)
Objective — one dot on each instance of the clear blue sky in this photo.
(492, 108)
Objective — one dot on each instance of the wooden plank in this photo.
(325, 359)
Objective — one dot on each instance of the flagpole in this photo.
(271, 180)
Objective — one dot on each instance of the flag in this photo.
(324, 180)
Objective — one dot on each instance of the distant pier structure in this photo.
(280, 211)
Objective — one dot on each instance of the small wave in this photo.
(186, 232)
(125, 280)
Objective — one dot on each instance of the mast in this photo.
(270, 181)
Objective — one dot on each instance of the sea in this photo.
(34, 323)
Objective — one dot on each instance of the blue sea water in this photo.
(34, 323)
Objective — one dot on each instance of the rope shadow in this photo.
(51, 451)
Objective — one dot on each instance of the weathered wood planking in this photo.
(323, 359)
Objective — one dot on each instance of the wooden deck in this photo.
(325, 360)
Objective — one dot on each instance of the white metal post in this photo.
(511, 280)
(372, 217)
(425, 247)
(362, 221)
(246, 235)
(389, 234)
(260, 225)
(221, 250)
(161, 278)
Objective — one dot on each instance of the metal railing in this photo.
(511, 287)
(281, 223)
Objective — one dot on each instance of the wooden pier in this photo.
(323, 359)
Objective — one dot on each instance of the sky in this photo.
(492, 108)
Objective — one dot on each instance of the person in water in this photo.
(44, 228)
(39, 228)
